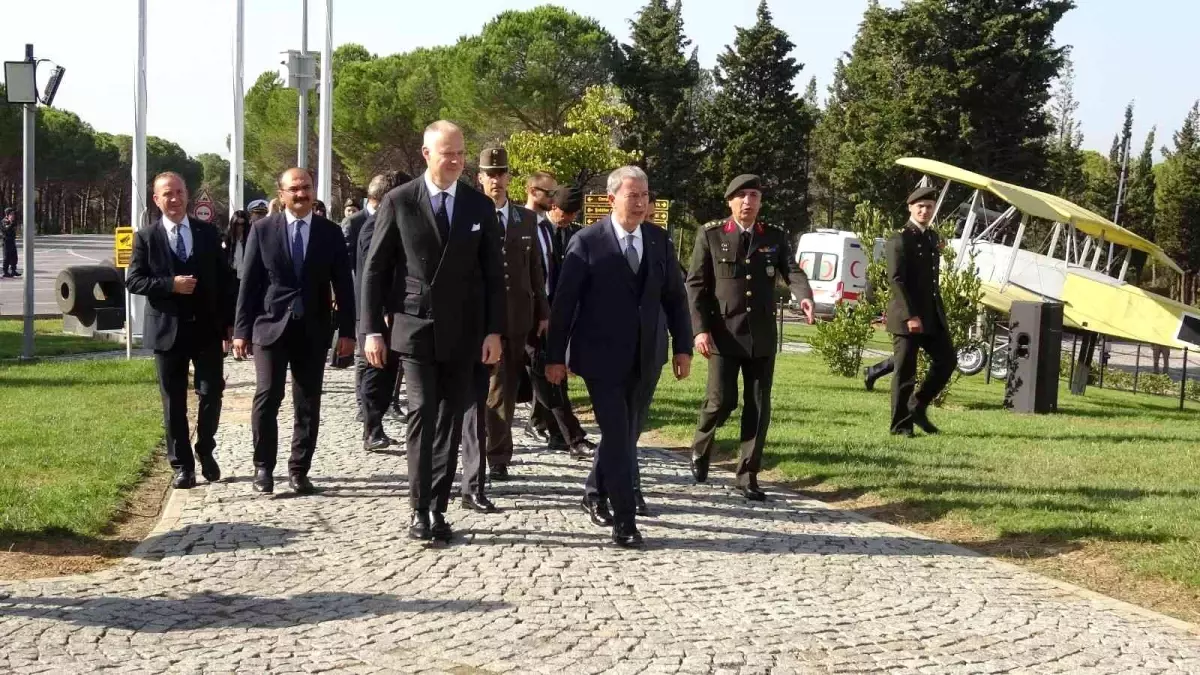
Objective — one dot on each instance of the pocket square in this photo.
(475, 227)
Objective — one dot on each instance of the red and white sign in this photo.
(204, 208)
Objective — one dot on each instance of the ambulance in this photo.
(836, 266)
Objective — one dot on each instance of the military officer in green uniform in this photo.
(916, 317)
(736, 265)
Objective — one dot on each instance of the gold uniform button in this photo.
(748, 294)
(748, 309)
(747, 261)
(747, 276)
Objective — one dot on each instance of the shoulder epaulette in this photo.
(713, 224)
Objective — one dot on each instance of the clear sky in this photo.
(1147, 51)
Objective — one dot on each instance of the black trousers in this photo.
(304, 355)
(618, 407)
(376, 388)
(438, 394)
(209, 381)
(501, 401)
(882, 368)
(10, 256)
(906, 398)
(475, 432)
(646, 391)
(758, 374)
(551, 403)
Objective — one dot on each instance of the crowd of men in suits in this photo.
(462, 296)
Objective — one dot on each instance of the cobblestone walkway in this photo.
(233, 581)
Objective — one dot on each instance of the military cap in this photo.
(921, 194)
(8, 211)
(569, 199)
(746, 181)
(257, 205)
(493, 157)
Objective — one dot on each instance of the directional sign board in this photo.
(596, 207)
(123, 246)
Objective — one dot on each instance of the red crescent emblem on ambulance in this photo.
(854, 269)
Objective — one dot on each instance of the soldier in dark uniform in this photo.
(736, 265)
(8, 228)
(916, 317)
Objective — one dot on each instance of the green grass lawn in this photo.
(802, 332)
(75, 437)
(1111, 467)
(48, 339)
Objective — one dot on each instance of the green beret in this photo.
(746, 181)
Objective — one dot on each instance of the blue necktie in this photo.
(442, 215)
(180, 246)
(298, 267)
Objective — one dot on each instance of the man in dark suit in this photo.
(552, 402)
(916, 317)
(374, 386)
(618, 275)
(435, 267)
(177, 264)
(527, 316)
(295, 267)
(737, 264)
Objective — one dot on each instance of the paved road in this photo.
(236, 582)
(51, 254)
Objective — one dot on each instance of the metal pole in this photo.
(325, 122)
(987, 379)
(1137, 367)
(302, 142)
(779, 347)
(1183, 380)
(137, 202)
(1074, 348)
(237, 150)
(29, 115)
(1103, 358)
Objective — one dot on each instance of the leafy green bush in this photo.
(840, 341)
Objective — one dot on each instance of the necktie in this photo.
(298, 267)
(500, 219)
(442, 216)
(746, 243)
(631, 255)
(180, 245)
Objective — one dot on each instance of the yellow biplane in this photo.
(1076, 266)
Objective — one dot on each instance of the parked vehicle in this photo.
(836, 266)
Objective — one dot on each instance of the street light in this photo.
(20, 79)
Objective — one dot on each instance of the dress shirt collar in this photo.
(291, 218)
(622, 233)
(173, 226)
(434, 189)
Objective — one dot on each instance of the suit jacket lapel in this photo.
(619, 250)
(158, 236)
(426, 208)
(457, 221)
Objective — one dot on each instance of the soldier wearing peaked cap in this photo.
(736, 265)
(916, 317)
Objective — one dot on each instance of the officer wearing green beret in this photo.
(916, 317)
(736, 264)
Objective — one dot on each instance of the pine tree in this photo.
(757, 124)
(1139, 199)
(1118, 163)
(1065, 149)
(1178, 198)
(656, 77)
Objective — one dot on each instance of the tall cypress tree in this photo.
(656, 77)
(1178, 218)
(1117, 163)
(1139, 199)
(757, 124)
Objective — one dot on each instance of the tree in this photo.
(1179, 199)
(757, 124)
(530, 68)
(1118, 163)
(591, 148)
(1100, 188)
(1064, 158)
(1139, 195)
(962, 81)
(656, 77)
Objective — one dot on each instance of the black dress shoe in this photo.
(300, 484)
(419, 529)
(499, 472)
(264, 482)
(583, 450)
(627, 536)
(441, 529)
(906, 432)
(598, 511)
(868, 381)
(540, 434)
(210, 469)
(921, 419)
(183, 480)
(557, 443)
(639, 503)
(752, 493)
(478, 502)
(377, 443)
(700, 468)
